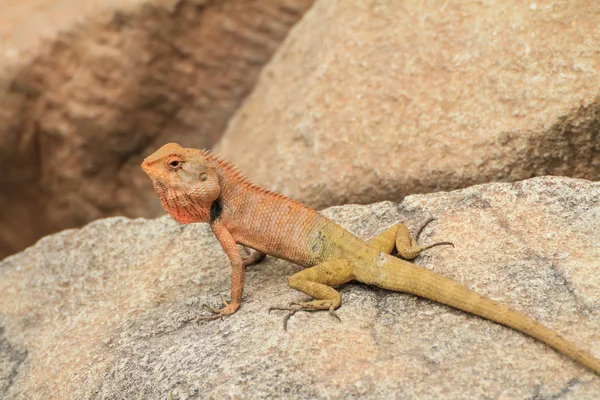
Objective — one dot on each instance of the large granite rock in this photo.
(374, 100)
(108, 311)
(87, 88)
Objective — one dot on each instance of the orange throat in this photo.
(180, 206)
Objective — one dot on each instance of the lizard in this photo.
(197, 186)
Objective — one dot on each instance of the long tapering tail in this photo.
(402, 276)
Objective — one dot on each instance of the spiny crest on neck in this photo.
(223, 165)
(233, 172)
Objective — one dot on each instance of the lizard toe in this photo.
(315, 305)
(226, 311)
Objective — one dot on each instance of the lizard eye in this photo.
(203, 177)
(174, 163)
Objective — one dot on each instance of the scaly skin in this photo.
(195, 186)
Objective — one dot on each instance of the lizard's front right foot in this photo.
(315, 305)
(226, 311)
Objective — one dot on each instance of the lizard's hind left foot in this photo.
(316, 305)
(409, 248)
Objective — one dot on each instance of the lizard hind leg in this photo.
(408, 248)
(317, 282)
(386, 240)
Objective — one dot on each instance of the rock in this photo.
(88, 88)
(369, 100)
(108, 311)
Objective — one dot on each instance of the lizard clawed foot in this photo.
(431, 245)
(421, 248)
(226, 311)
(294, 307)
(409, 248)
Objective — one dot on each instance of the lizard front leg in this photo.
(238, 272)
(316, 282)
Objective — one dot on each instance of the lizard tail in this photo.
(402, 276)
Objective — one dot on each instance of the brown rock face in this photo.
(370, 100)
(85, 92)
(109, 311)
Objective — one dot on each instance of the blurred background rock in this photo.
(374, 100)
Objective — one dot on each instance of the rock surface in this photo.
(88, 88)
(373, 100)
(108, 311)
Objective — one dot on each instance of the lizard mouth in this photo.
(146, 166)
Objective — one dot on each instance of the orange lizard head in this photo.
(185, 180)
